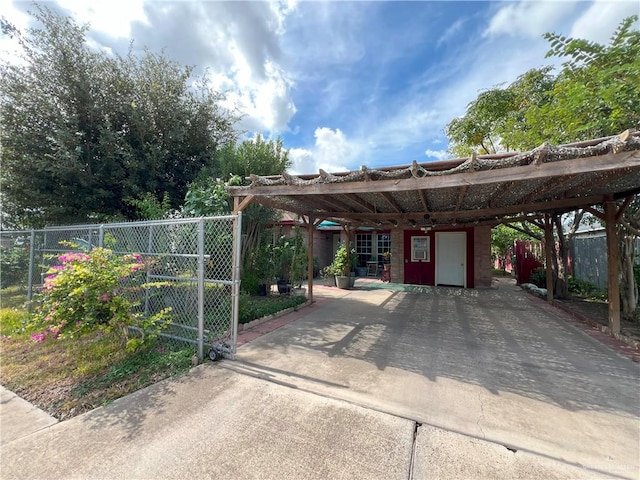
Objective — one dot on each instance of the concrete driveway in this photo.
(494, 365)
(451, 384)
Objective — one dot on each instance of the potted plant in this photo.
(282, 256)
(342, 266)
(329, 276)
(299, 263)
(264, 266)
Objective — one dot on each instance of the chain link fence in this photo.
(196, 261)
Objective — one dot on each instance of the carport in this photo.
(469, 195)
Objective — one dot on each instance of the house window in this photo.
(384, 245)
(363, 248)
(420, 251)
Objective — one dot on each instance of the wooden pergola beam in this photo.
(623, 207)
(240, 205)
(310, 231)
(423, 199)
(548, 254)
(332, 202)
(613, 254)
(570, 203)
(461, 195)
(363, 203)
(606, 178)
(317, 203)
(602, 163)
(500, 192)
(392, 201)
(546, 188)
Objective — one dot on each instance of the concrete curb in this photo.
(19, 418)
(259, 321)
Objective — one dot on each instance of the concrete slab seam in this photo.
(417, 422)
(412, 460)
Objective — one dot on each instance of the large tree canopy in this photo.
(595, 94)
(82, 131)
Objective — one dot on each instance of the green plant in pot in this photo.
(298, 268)
(282, 256)
(342, 265)
(329, 276)
(264, 267)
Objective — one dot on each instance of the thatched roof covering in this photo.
(483, 188)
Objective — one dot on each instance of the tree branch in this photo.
(629, 227)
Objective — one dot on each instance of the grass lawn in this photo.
(68, 377)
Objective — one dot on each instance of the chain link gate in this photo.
(197, 260)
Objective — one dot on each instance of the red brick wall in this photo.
(482, 257)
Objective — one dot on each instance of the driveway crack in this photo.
(481, 416)
(412, 459)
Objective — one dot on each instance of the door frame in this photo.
(438, 237)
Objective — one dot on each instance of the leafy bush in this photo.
(252, 308)
(250, 282)
(581, 287)
(539, 277)
(14, 265)
(343, 260)
(90, 291)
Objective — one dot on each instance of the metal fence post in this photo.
(201, 289)
(100, 236)
(31, 267)
(235, 277)
(146, 290)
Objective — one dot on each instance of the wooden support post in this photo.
(239, 206)
(613, 254)
(310, 231)
(548, 254)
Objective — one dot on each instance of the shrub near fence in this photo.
(196, 259)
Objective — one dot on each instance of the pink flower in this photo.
(39, 337)
(54, 331)
(73, 257)
(105, 297)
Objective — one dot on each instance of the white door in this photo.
(451, 258)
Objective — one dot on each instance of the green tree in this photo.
(503, 238)
(208, 195)
(496, 120)
(595, 94)
(82, 131)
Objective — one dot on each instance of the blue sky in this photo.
(346, 83)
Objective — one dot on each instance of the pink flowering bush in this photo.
(89, 291)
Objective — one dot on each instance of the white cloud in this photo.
(331, 152)
(451, 31)
(9, 47)
(266, 105)
(437, 154)
(601, 19)
(113, 18)
(238, 43)
(528, 18)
